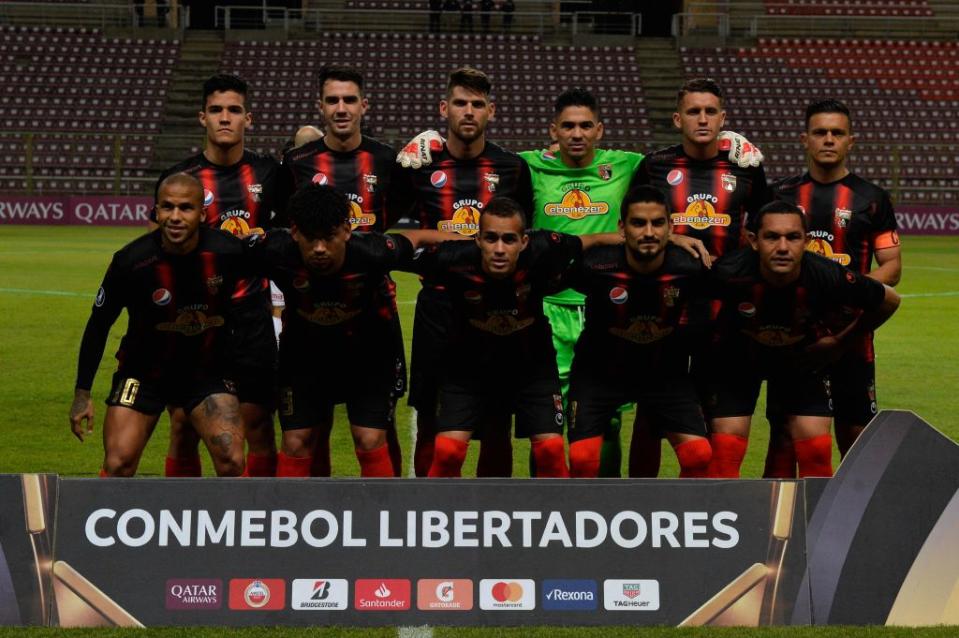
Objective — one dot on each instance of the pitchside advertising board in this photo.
(873, 545)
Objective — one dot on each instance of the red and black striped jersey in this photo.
(450, 192)
(849, 219)
(368, 175)
(709, 199)
(239, 199)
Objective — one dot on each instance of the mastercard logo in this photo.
(507, 592)
(746, 309)
(207, 197)
(674, 177)
(438, 179)
(618, 295)
(321, 179)
(162, 296)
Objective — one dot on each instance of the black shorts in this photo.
(256, 386)
(852, 382)
(306, 400)
(152, 396)
(431, 328)
(253, 338)
(535, 399)
(669, 403)
(399, 359)
(733, 392)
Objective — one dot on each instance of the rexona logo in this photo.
(575, 595)
(448, 594)
(382, 594)
(507, 594)
(631, 595)
(319, 594)
(194, 594)
(257, 594)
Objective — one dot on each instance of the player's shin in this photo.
(584, 457)
(496, 453)
(375, 463)
(425, 437)
(694, 457)
(728, 453)
(321, 465)
(645, 451)
(393, 444)
(183, 466)
(293, 466)
(260, 464)
(550, 457)
(448, 457)
(611, 456)
(780, 456)
(814, 456)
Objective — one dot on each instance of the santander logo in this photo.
(382, 591)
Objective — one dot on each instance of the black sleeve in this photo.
(884, 218)
(556, 253)
(426, 261)
(759, 196)
(641, 176)
(109, 302)
(524, 190)
(284, 190)
(842, 286)
(389, 252)
(401, 195)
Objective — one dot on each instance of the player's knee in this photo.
(367, 439)
(695, 454)
(260, 436)
(120, 465)
(229, 464)
(448, 457)
(296, 443)
(584, 457)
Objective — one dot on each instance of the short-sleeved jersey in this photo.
(499, 322)
(450, 192)
(849, 219)
(178, 307)
(579, 201)
(777, 323)
(367, 175)
(239, 199)
(636, 324)
(709, 199)
(345, 314)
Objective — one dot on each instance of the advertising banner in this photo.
(75, 210)
(927, 220)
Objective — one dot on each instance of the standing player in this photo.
(781, 305)
(634, 346)
(240, 191)
(176, 284)
(450, 196)
(851, 221)
(710, 197)
(363, 169)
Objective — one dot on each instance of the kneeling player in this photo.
(633, 346)
(176, 285)
(778, 304)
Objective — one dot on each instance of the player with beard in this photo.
(364, 170)
(852, 222)
(176, 284)
(241, 193)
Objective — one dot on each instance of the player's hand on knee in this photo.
(741, 151)
(81, 410)
(419, 150)
(694, 247)
(822, 352)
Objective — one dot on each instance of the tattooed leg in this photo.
(218, 421)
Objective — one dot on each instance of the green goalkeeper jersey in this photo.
(579, 201)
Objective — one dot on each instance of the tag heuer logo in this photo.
(631, 590)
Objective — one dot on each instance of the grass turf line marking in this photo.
(53, 293)
(411, 466)
(424, 631)
(951, 293)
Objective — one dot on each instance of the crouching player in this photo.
(501, 359)
(782, 319)
(176, 284)
(634, 345)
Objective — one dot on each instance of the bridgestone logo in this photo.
(316, 605)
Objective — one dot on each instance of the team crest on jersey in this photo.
(162, 296)
(618, 295)
(101, 298)
(207, 197)
(438, 179)
(842, 216)
(213, 283)
(605, 171)
(576, 204)
(674, 177)
(549, 156)
(255, 190)
(465, 219)
(729, 182)
(492, 181)
(191, 321)
(321, 179)
(370, 181)
(670, 295)
(701, 213)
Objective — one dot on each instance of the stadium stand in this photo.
(892, 8)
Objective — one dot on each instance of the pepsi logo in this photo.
(301, 283)
(675, 177)
(162, 296)
(321, 179)
(207, 197)
(438, 179)
(746, 309)
(473, 296)
(618, 295)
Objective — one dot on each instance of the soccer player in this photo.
(634, 346)
(364, 170)
(240, 191)
(785, 316)
(450, 195)
(500, 360)
(338, 343)
(176, 284)
(852, 222)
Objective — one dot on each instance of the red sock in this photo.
(584, 457)
(396, 452)
(728, 453)
(550, 455)
(375, 463)
(645, 454)
(103, 473)
(694, 457)
(260, 464)
(780, 461)
(293, 466)
(814, 456)
(183, 466)
(448, 457)
(495, 457)
(423, 455)
(321, 466)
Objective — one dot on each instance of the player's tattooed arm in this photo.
(601, 239)
(81, 410)
(694, 247)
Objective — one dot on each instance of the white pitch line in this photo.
(936, 268)
(411, 466)
(54, 293)
(950, 293)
